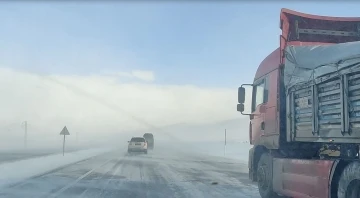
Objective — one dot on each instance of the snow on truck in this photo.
(305, 110)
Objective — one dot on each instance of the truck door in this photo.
(260, 98)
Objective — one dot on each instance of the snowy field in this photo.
(233, 150)
(236, 150)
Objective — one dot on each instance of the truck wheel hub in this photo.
(262, 179)
(353, 190)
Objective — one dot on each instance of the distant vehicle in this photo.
(150, 139)
(137, 144)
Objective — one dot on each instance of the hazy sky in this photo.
(167, 63)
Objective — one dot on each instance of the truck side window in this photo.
(260, 94)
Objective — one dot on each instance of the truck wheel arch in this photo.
(338, 167)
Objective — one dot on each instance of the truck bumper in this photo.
(136, 150)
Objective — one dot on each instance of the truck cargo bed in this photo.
(323, 101)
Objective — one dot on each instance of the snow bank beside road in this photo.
(17, 171)
(234, 150)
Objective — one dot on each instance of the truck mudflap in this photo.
(250, 165)
(302, 178)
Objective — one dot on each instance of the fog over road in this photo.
(164, 172)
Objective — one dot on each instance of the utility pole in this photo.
(25, 134)
(225, 144)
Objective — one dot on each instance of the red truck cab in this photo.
(285, 160)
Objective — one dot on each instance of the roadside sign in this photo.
(64, 132)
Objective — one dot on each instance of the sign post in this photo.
(25, 134)
(64, 132)
(225, 144)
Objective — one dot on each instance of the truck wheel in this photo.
(349, 183)
(264, 176)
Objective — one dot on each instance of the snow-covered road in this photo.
(161, 173)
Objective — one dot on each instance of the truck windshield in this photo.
(148, 136)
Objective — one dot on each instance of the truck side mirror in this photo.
(241, 95)
(240, 107)
(245, 99)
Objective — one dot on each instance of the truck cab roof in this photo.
(270, 63)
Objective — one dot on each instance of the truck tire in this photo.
(349, 183)
(264, 177)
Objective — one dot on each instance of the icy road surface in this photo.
(160, 173)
